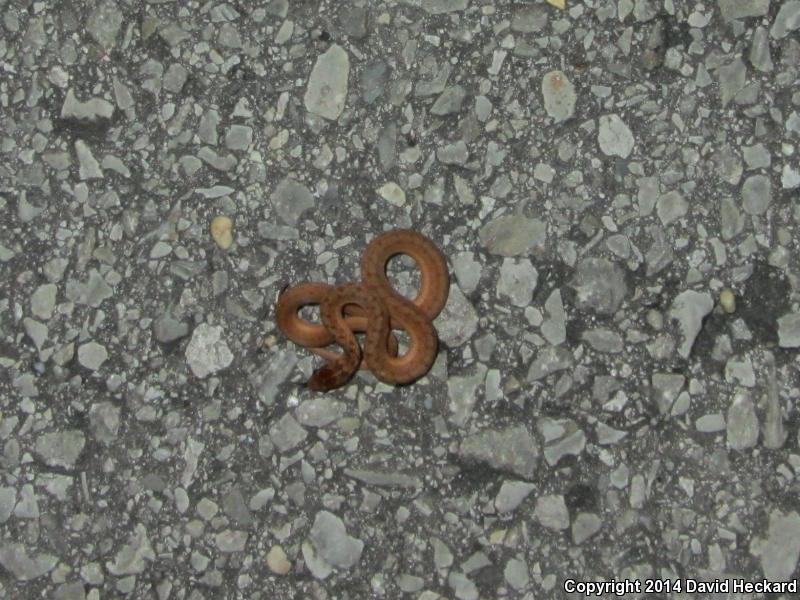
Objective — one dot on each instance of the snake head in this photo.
(327, 377)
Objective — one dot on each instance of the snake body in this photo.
(372, 307)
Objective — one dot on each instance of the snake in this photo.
(373, 307)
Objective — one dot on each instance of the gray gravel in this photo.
(615, 186)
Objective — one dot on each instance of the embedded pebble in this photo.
(449, 101)
(286, 433)
(559, 96)
(392, 193)
(511, 495)
(89, 167)
(614, 136)
(456, 153)
(585, 526)
(600, 286)
(689, 308)
(331, 542)
(513, 449)
(104, 419)
(277, 561)
(551, 512)
(92, 355)
(43, 301)
(742, 423)
(319, 412)
(23, 565)
(517, 281)
(671, 207)
(740, 9)
(326, 90)
(756, 194)
(789, 331)
(513, 235)
(60, 448)
(291, 199)
(222, 231)
(787, 19)
(93, 109)
(207, 352)
(727, 300)
(780, 550)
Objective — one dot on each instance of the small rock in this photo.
(741, 9)
(175, 78)
(756, 156)
(438, 7)
(512, 494)
(614, 136)
(89, 167)
(671, 207)
(277, 561)
(513, 235)
(549, 360)
(331, 542)
(449, 101)
(780, 551)
(516, 573)
(92, 355)
(320, 412)
(603, 340)
(326, 91)
(727, 301)
(756, 194)
(554, 328)
(91, 110)
(600, 286)
(517, 281)
(207, 352)
(690, 308)
(43, 301)
(70, 591)
(732, 79)
(559, 96)
(467, 270)
(551, 511)
(789, 331)
(790, 178)
(291, 199)
(239, 137)
(60, 448)
(529, 18)
(711, 423)
(392, 193)
(742, 427)
(168, 329)
(513, 449)
(222, 231)
(453, 154)
(585, 526)
(8, 500)
(462, 392)
(104, 421)
(760, 56)
(731, 219)
(787, 19)
(230, 540)
(15, 559)
(132, 558)
(286, 433)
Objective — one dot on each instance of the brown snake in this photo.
(372, 307)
